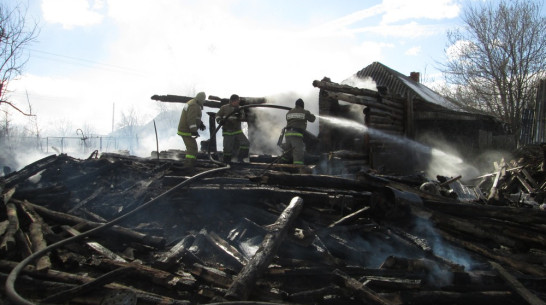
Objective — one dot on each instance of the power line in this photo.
(84, 62)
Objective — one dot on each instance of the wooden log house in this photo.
(401, 109)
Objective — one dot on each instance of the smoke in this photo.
(442, 159)
(270, 121)
(15, 156)
(363, 83)
(425, 229)
(445, 160)
(485, 160)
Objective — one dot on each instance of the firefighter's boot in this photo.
(227, 159)
(189, 163)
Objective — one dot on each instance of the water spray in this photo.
(436, 153)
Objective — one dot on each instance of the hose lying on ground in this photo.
(12, 277)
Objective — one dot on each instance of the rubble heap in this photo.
(262, 233)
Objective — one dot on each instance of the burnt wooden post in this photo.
(245, 280)
(212, 128)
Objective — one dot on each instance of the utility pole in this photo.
(113, 111)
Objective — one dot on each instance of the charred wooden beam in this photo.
(181, 280)
(9, 240)
(95, 245)
(23, 244)
(246, 279)
(374, 112)
(38, 243)
(310, 180)
(98, 282)
(16, 177)
(169, 258)
(349, 217)
(314, 296)
(225, 247)
(518, 265)
(153, 241)
(530, 217)
(65, 277)
(211, 275)
(517, 286)
(83, 202)
(364, 293)
(183, 99)
(330, 86)
(244, 100)
(367, 101)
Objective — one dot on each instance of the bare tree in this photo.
(496, 59)
(15, 35)
(128, 127)
(64, 128)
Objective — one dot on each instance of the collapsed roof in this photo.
(260, 232)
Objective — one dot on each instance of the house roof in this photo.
(399, 84)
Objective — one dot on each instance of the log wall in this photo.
(389, 118)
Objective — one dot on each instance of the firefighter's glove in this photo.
(201, 126)
(218, 120)
(194, 134)
(238, 114)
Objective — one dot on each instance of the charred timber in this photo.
(385, 113)
(153, 241)
(65, 277)
(523, 267)
(246, 279)
(180, 280)
(515, 215)
(366, 101)
(168, 259)
(244, 100)
(16, 177)
(183, 99)
(309, 180)
(330, 86)
(9, 240)
(365, 294)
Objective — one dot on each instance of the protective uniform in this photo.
(190, 121)
(236, 144)
(296, 123)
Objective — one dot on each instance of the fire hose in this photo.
(12, 277)
(213, 135)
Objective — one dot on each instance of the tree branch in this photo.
(27, 114)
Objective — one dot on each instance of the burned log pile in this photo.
(125, 230)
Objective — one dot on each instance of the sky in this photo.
(94, 60)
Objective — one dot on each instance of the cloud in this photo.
(460, 47)
(395, 11)
(72, 13)
(182, 47)
(408, 30)
(400, 10)
(414, 51)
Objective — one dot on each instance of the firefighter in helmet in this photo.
(296, 124)
(236, 144)
(190, 122)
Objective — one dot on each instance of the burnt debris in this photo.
(270, 233)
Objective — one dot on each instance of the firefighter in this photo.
(236, 144)
(296, 123)
(190, 122)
